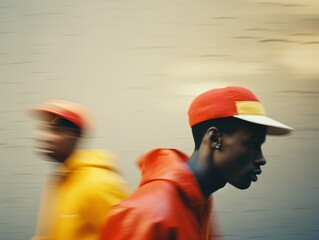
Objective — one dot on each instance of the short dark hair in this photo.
(62, 122)
(228, 125)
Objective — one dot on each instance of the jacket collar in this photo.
(84, 158)
(170, 165)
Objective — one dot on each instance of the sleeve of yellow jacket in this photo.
(95, 201)
(127, 223)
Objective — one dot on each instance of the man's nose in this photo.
(260, 160)
(42, 136)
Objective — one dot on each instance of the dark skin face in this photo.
(240, 156)
(56, 142)
(236, 160)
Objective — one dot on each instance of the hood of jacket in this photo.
(89, 158)
(170, 165)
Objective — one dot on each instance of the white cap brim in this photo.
(274, 127)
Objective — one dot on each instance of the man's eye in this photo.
(254, 145)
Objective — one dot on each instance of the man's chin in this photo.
(242, 186)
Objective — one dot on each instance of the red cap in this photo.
(236, 102)
(70, 111)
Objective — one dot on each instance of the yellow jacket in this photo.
(78, 197)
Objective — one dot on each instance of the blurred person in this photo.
(85, 183)
(173, 200)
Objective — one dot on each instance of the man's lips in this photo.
(253, 174)
(44, 149)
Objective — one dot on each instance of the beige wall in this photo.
(137, 64)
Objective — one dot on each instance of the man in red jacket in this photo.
(173, 201)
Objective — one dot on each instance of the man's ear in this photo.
(74, 136)
(214, 137)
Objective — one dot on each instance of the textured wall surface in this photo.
(137, 64)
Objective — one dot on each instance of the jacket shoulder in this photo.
(153, 211)
(157, 201)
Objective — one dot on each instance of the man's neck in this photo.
(205, 173)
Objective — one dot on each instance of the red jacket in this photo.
(167, 205)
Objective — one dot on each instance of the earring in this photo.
(217, 146)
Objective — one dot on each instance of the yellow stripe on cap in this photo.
(250, 108)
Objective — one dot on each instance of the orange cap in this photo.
(236, 102)
(70, 111)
